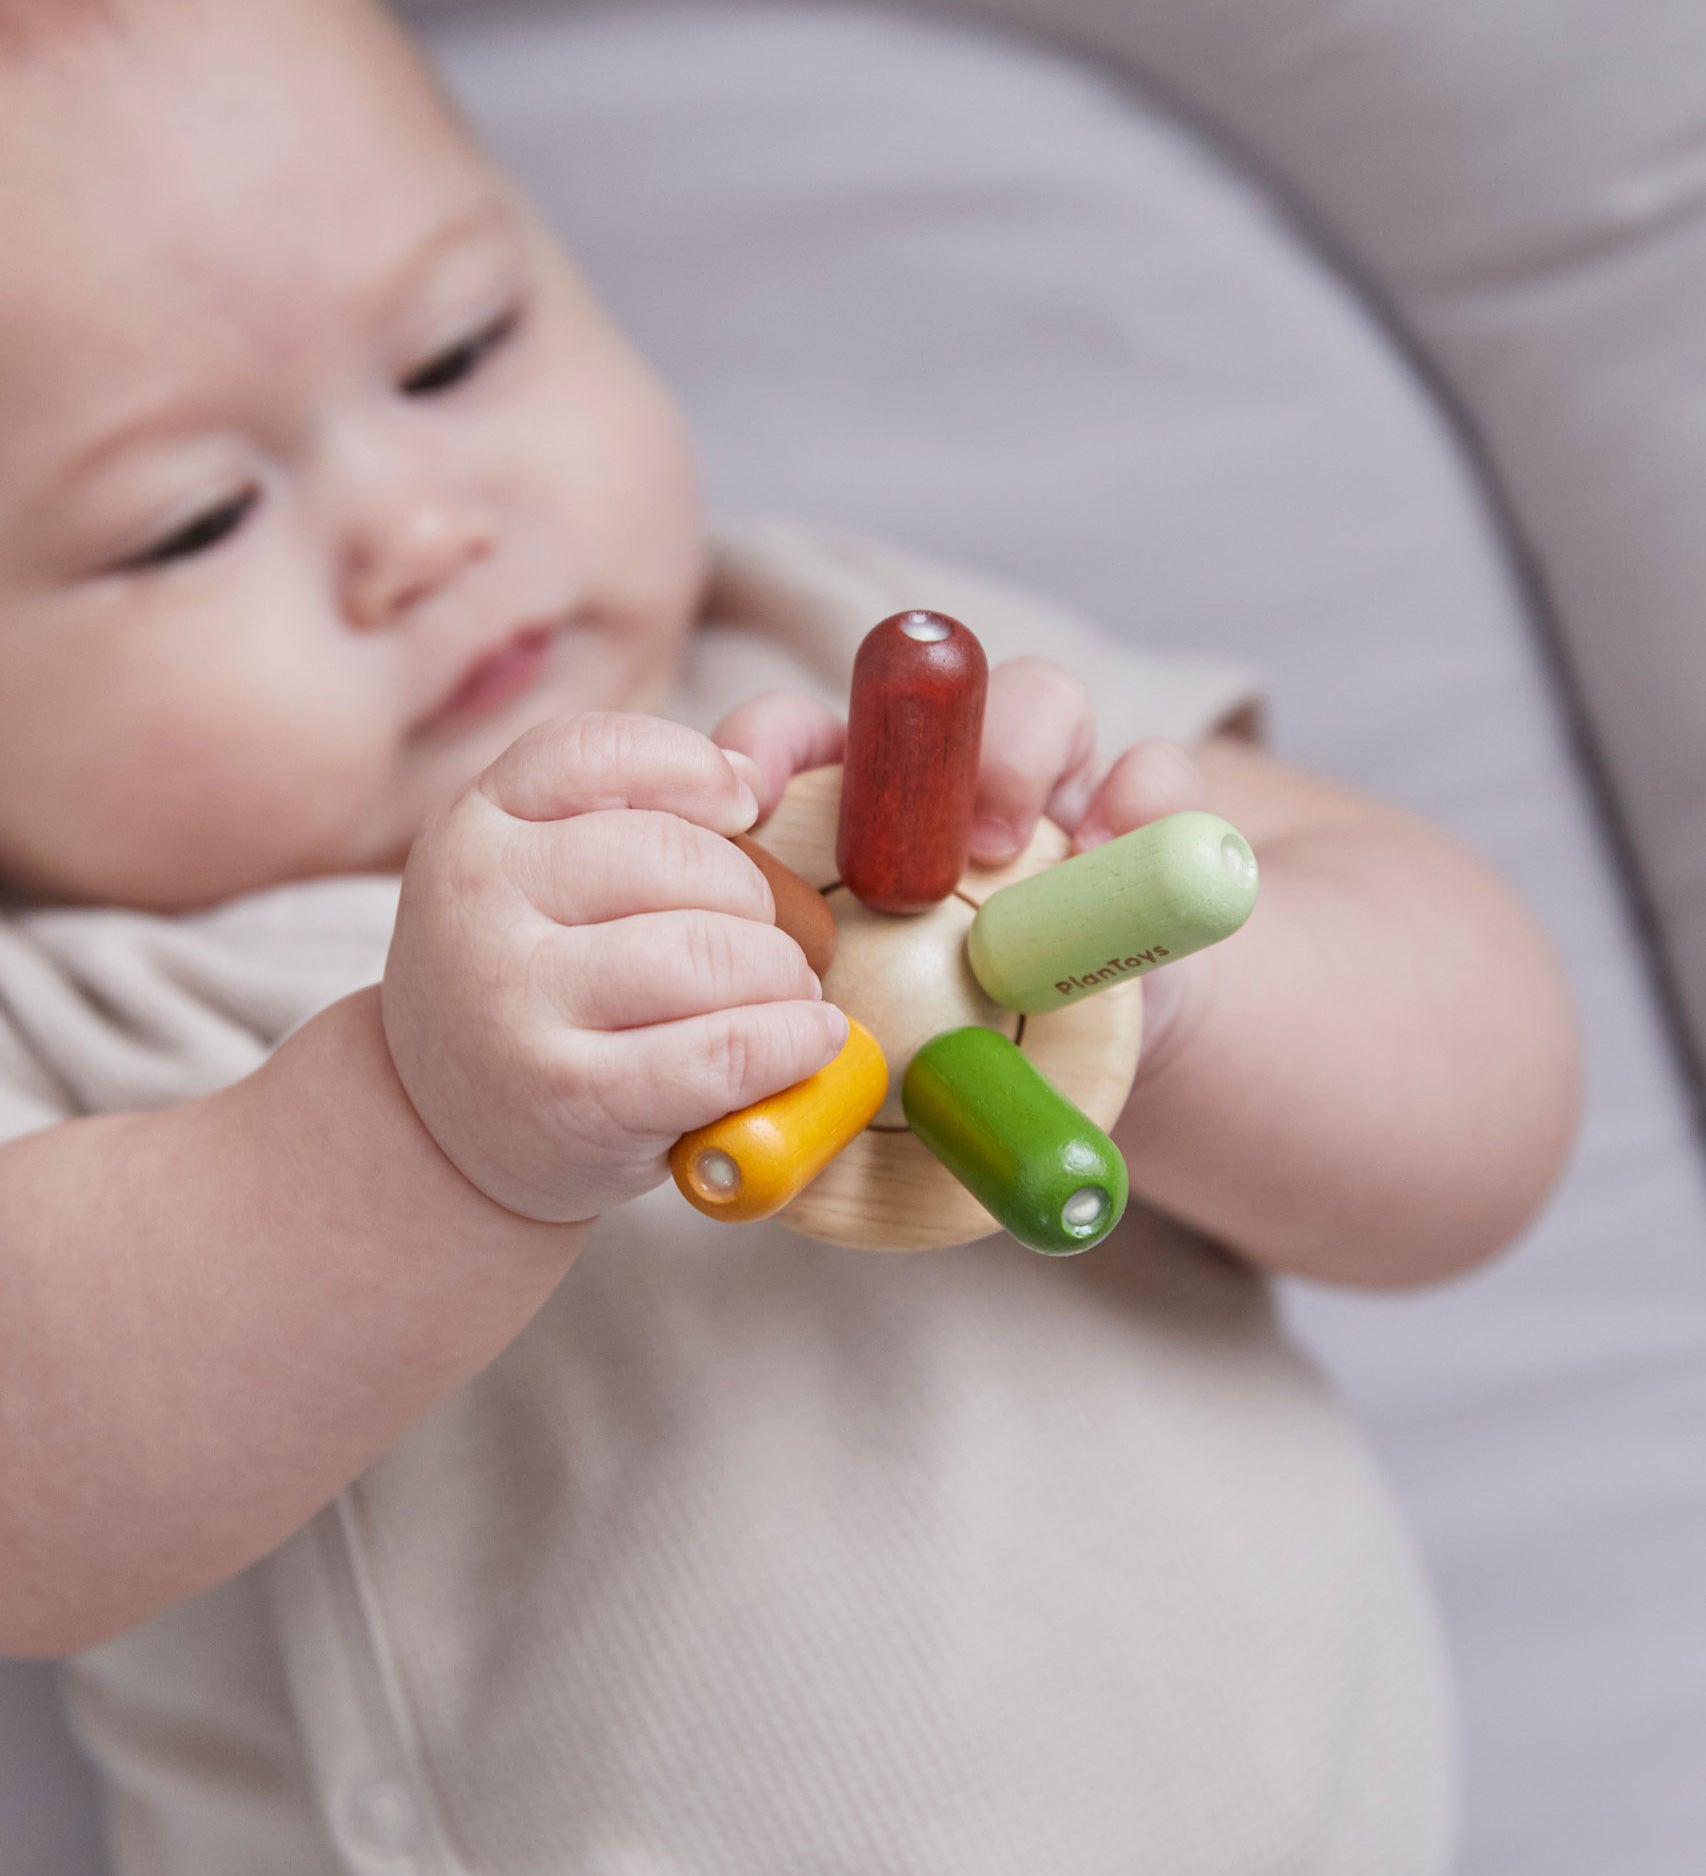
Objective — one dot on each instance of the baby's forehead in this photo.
(208, 140)
(194, 179)
(29, 27)
(206, 78)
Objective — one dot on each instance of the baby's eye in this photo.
(461, 361)
(206, 531)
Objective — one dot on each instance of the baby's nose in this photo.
(399, 561)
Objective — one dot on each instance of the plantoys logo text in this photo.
(1115, 967)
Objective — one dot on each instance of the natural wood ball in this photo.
(906, 979)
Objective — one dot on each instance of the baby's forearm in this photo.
(216, 1315)
(1376, 1080)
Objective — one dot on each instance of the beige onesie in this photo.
(752, 1557)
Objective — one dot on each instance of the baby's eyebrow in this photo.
(493, 214)
(177, 417)
(158, 423)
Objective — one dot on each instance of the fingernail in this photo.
(744, 766)
(993, 839)
(1089, 837)
(749, 778)
(840, 1028)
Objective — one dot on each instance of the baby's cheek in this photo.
(657, 556)
(208, 785)
(609, 451)
(666, 503)
(304, 776)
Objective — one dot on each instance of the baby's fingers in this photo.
(606, 759)
(1039, 752)
(633, 972)
(673, 1077)
(614, 865)
(783, 732)
(1150, 780)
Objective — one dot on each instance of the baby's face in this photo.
(301, 414)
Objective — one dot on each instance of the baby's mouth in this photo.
(494, 680)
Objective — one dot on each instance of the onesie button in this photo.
(383, 1816)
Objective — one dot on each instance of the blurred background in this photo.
(1363, 341)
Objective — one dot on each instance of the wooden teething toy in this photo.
(1005, 1001)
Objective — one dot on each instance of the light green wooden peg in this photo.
(1158, 893)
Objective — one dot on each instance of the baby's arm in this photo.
(216, 1315)
(1377, 1080)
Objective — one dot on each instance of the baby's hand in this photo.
(1039, 757)
(583, 968)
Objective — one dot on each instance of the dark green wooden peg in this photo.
(1038, 1165)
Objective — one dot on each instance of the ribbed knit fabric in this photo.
(750, 1556)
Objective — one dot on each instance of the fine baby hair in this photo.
(973, 985)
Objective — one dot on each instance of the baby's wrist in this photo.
(380, 1127)
(1176, 1001)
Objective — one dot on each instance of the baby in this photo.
(369, 937)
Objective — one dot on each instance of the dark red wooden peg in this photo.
(909, 783)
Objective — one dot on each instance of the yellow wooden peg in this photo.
(748, 1165)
